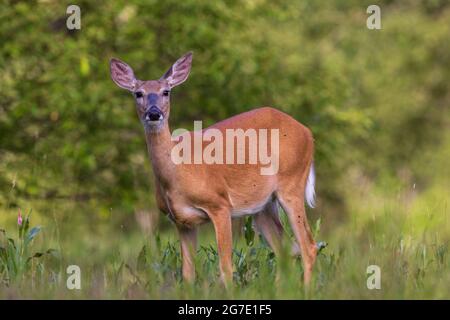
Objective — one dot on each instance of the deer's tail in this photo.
(310, 193)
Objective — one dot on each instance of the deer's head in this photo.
(152, 96)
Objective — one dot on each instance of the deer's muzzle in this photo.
(153, 114)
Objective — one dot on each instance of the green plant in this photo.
(16, 255)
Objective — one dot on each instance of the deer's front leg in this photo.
(221, 220)
(188, 241)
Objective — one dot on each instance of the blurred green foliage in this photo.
(376, 100)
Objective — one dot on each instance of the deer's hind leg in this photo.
(291, 197)
(267, 222)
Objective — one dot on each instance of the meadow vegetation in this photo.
(72, 151)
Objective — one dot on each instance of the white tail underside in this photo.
(310, 193)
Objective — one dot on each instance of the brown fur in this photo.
(191, 194)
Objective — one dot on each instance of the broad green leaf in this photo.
(248, 231)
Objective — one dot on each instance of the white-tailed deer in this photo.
(193, 193)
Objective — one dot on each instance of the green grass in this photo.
(407, 238)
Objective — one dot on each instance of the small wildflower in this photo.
(19, 218)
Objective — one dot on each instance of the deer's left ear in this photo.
(122, 74)
(179, 72)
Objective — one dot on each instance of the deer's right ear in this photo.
(122, 74)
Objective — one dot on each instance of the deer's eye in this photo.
(166, 93)
(138, 94)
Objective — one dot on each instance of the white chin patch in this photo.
(153, 124)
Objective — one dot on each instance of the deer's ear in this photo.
(179, 72)
(122, 74)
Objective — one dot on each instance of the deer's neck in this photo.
(159, 146)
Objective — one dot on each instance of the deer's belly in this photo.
(241, 212)
(187, 215)
(246, 208)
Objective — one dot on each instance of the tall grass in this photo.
(408, 238)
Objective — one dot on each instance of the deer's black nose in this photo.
(153, 114)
